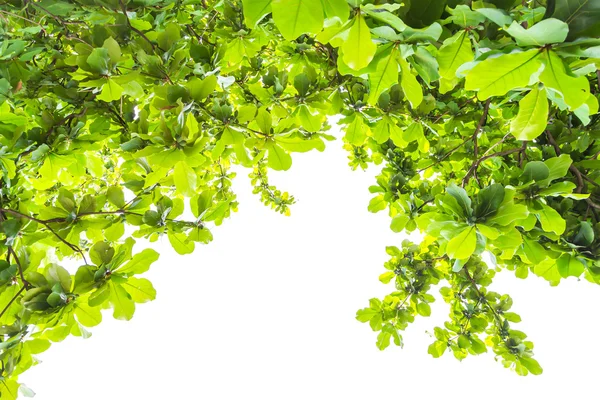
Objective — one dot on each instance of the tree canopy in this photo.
(120, 120)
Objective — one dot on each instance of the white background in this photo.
(266, 311)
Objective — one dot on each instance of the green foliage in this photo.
(120, 120)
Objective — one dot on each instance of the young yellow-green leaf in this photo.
(185, 178)
(462, 245)
(437, 348)
(336, 8)
(384, 77)
(86, 315)
(532, 117)
(255, 10)
(278, 158)
(399, 222)
(358, 49)
(139, 263)
(377, 203)
(356, 132)
(123, 305)
(202, 88)
(140, 289)
(496, 76)
(547, 31)
(574, 91)
(411, 87)
(509, 214)
(548, 270)
(453, 53)
(180, 243)
(264, 120)
(569, 265)
(309, 121)
(424, 309)
(386, 277)
(110, 91)
(295, 17)
(532, 365)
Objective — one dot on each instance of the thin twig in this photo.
(11, 250)
(25, 19)
(12, 301)
(476, 163)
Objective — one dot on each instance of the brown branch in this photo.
(142, 34)
(46, 225)
(575, 171)
(480, 125)
(475, 165)
(449, 153)
(25, 283)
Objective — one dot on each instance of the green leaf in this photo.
(98, 60)
(255, 10)
(489, 200)
(114, 50)
(544, 32)
(582, 16)
(295, 17)
(380, 13)
(358, 49)
(550, 219)
(101, 253)
(57, 274)
(532, 118)
(384, 77)
(336, 8)
(455, 51)
(411, 87)
(115, 196)
(534, 251)
(499, 17)
(574, 91)
(535, 171)
(202, 88)
(111, 91)
(558, 167)
(508, 214)
(463, 244)
(498, 75)
(461, 197)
